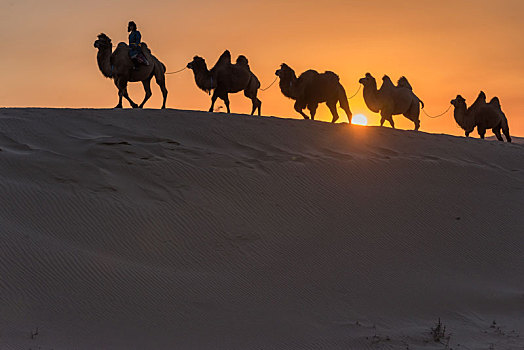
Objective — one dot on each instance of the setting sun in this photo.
(359, 119)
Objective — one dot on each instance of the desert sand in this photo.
(148, 229)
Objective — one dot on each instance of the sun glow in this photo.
(359, 119)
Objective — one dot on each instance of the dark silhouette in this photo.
(118, 66)
(135, 39)
(391, 100)
(312, 88)
(481, 115)
(226, 78)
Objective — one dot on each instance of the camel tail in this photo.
(421, 102)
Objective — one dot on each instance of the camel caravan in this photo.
(136, 63)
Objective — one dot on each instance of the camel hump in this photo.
(386, 81)
(495, 102)
(224, 59)
(481, 96)
(242, 60)
(308, 73)
(121, 49)
(403, 82)
(479, 102)
(332, 75)
(307, 76)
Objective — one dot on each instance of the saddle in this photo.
(137, 55)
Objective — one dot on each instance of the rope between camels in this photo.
(355, 94)
(177, 71)
(270, 85)
(437, 116)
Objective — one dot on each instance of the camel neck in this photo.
(288, 87)
(370, 93)
(465, 121)
(204, 78)
(104, 62)
(461, 117)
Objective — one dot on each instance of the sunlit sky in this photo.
(444, 48)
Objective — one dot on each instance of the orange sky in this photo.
(443, 47)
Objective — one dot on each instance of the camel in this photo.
(481, 115)
(226, 78)
(118, 66)
(391, 100)
(312, 88)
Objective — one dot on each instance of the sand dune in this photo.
(187, 230)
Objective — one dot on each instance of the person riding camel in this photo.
(135, 51)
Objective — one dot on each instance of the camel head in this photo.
(459, 101)
(198, 63)
(103, 42)
(368, 80)
(285, 72)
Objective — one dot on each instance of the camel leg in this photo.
(506, 133)
(119, 105)
(496, 131)
(126, 96)
(147, 89)
(345, 106)
(387, 116)
(256, 105)
(414, 116)
(225, 97)
(213, 100)
(122, 86)
(254, 100)
(299, 108)
(333, 108)
(413, 113)
(482, 132)
(312, 110)
(161, 81)
(505, 130)
(391, 122)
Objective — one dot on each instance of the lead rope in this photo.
(436, 116)
(270, 85)
(177, 71)
(355, 94)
